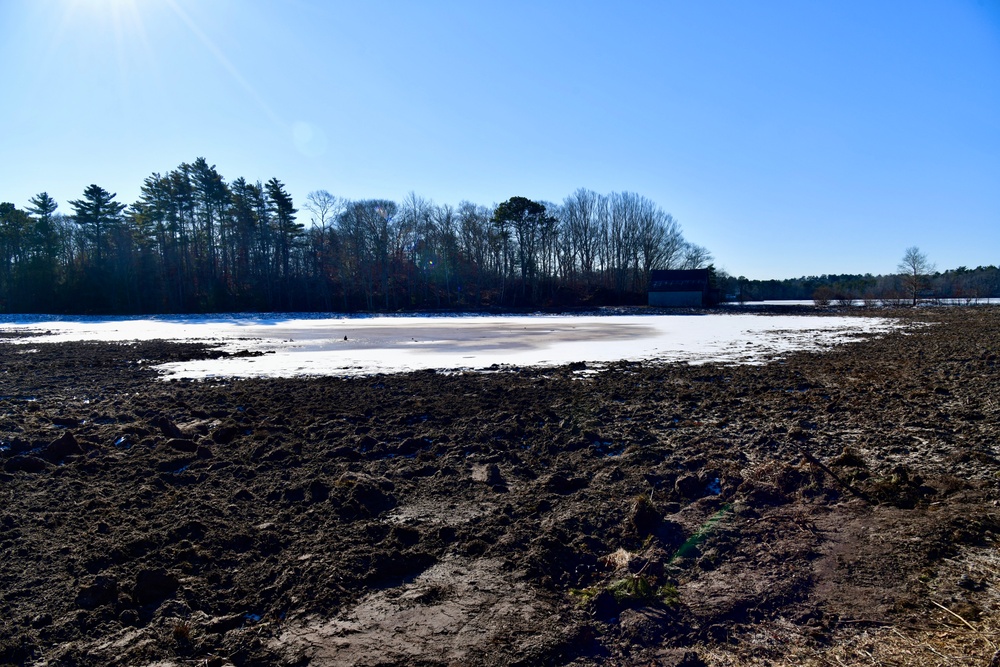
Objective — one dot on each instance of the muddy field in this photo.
(835, 508)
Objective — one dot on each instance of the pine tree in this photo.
(96, 214)
(286, 230)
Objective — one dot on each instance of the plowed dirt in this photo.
(829, 508)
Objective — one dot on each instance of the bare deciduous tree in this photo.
(695, 257)
(324, 208)
(913, 270)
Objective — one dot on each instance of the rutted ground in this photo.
(821, 510)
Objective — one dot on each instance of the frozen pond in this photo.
(298, 345)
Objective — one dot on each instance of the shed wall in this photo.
(676, 299)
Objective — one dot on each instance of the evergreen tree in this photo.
(43, 207)
(286, 230)
(15, 226)
(530, 223)
(96, 214)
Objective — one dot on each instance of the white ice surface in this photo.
(970, 301)
(298, 346)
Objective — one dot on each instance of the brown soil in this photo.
(829, 509)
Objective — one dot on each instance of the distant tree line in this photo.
(194, 242)
(902, 288)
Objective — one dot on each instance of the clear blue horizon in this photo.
(789, 138)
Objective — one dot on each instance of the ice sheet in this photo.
(307, 345)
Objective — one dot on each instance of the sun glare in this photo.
(105, 6)
(133, 47)
(122, 16)
(106, 39)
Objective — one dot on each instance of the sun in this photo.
(105, 4)
(106, 7)
(131, 39)
(104, 38)
(118, 15)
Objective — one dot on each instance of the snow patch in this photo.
(346, 346)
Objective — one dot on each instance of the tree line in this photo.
(194, 242)
(910, 284)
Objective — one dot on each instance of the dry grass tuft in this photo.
(182, 632)
(618, 560)
(942, 638)
(888, 646)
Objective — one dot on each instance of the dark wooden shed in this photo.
(673, 289)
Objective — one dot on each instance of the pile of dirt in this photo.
(635, 514)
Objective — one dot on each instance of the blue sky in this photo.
(789, 138)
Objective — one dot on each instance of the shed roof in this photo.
(690, 280)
